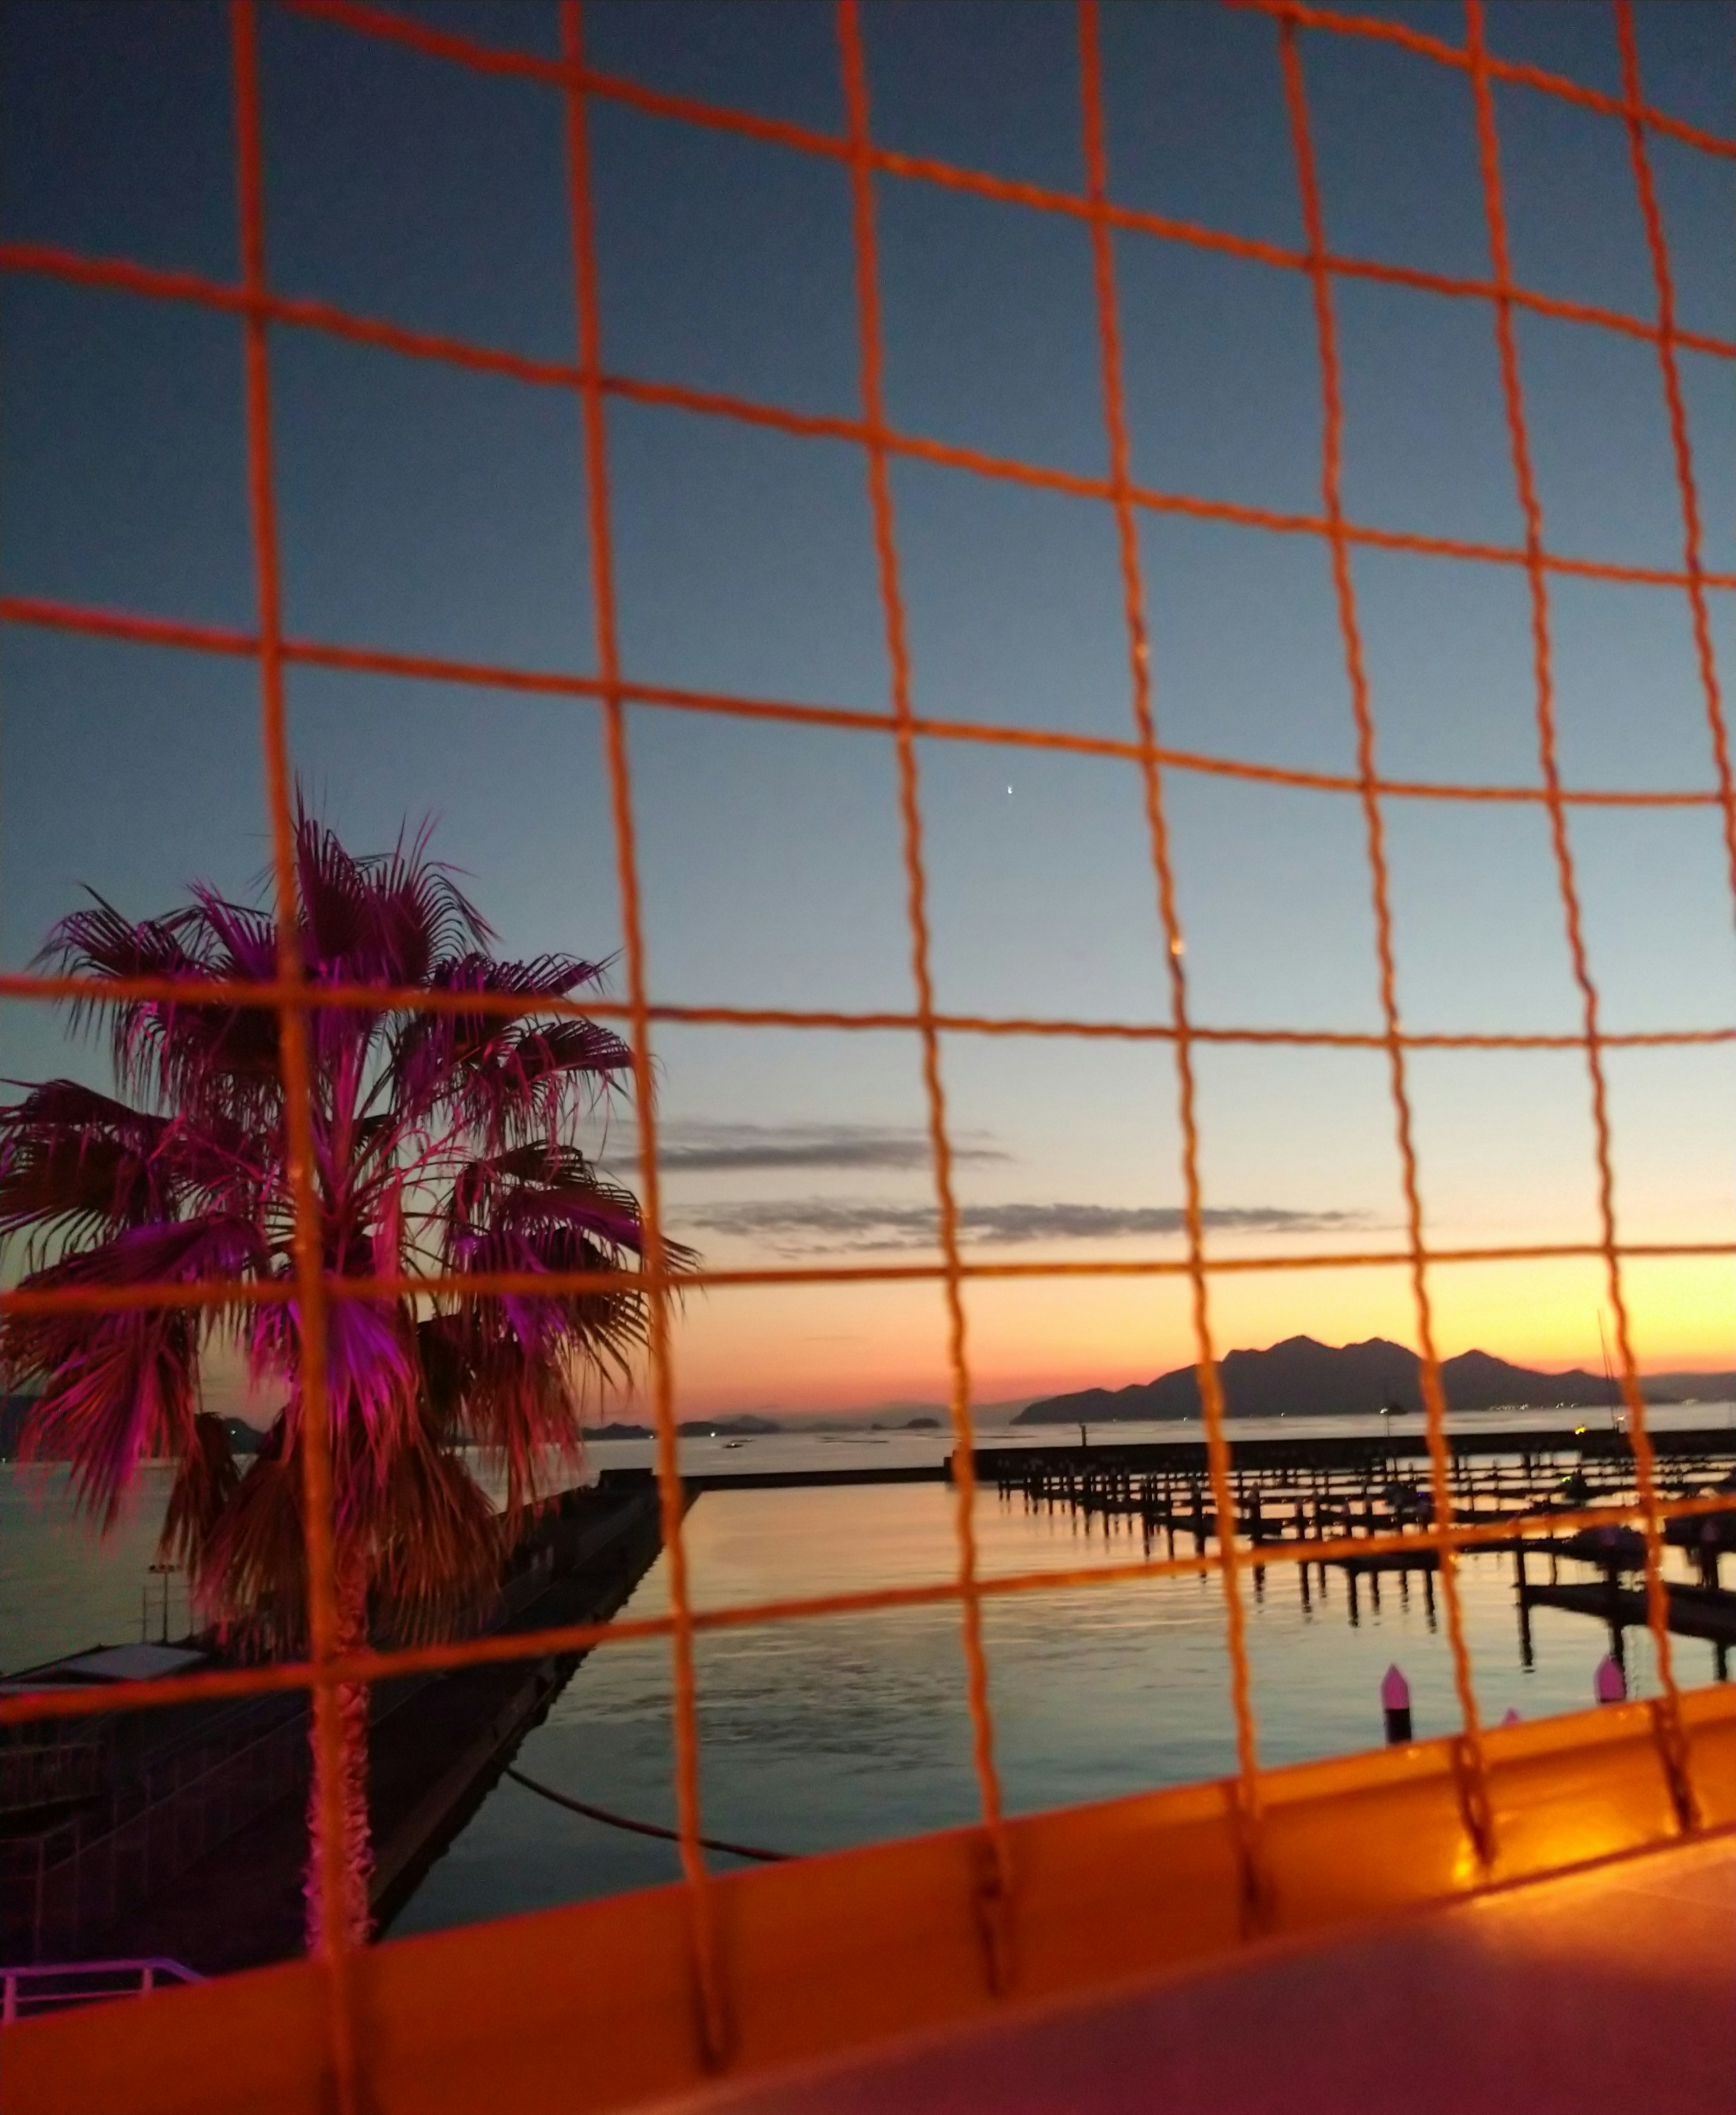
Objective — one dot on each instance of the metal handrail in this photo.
(83, 1983)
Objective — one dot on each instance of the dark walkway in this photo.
(1605, 1993)
(436, 1747)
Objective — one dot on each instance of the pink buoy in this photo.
(1395, 1703)
(1610, 1683)
(1510, 1716)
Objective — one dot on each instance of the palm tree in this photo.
(444, 1143)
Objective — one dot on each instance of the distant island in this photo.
(726, 1428)
(14, 1411)
(1300, 1377)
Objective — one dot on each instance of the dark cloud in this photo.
(701, 1147)
(795, 1226)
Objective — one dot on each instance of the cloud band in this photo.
(705, 1148)
(795, 1226)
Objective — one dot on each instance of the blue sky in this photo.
(434, 510)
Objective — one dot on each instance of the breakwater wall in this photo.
(182, 1832)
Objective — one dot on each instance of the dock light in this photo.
(1395, 1703)
(1610, 1683)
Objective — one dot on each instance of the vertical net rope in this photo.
(1672, 1740)
(1478, 1816)
(1671, 1730)
(713, 2023)
(1254, 1884)
(333, 1760)
(994, 1898)
(1669, 337)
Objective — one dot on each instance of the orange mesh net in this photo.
(261, 308)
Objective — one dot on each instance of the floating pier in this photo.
(1334, 1489)
(1695, 1612)
(1331, 1488)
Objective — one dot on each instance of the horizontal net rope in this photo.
(256, 1292)
(494, 58)
(157, 631)
(1517, 74)
(384, 998)
(311, 313)
(182, 1293)
(380, 999)
(144, 280)
(383, 1664)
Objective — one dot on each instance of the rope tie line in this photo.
(995, 1901)
(333, 1761)
(1255, 1885)
(1474, 1778)
(613, 1820)
(1672, 1739)
(714, 2033)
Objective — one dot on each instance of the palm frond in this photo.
(504, 1077)
(204, 1484)
(120, 1385)
(78, 1165)
(250, 1575)
(370, 1377)
(439, 1546)
(448, 1139)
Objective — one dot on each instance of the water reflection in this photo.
(822, 1732)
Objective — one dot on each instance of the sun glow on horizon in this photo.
(830, 1348)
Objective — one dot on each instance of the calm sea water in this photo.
(831, 1731)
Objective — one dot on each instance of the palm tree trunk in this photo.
(350, 1699)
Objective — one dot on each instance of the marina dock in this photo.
(1287, 1489)
(1302, 1491)
(1695, 1612)
(182, 1831)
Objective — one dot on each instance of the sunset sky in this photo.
(434, 510)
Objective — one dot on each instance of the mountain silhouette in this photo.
(1300, 1377)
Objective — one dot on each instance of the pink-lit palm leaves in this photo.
(444, 1143)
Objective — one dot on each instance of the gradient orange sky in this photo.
(433, 510)
(829, 1349)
